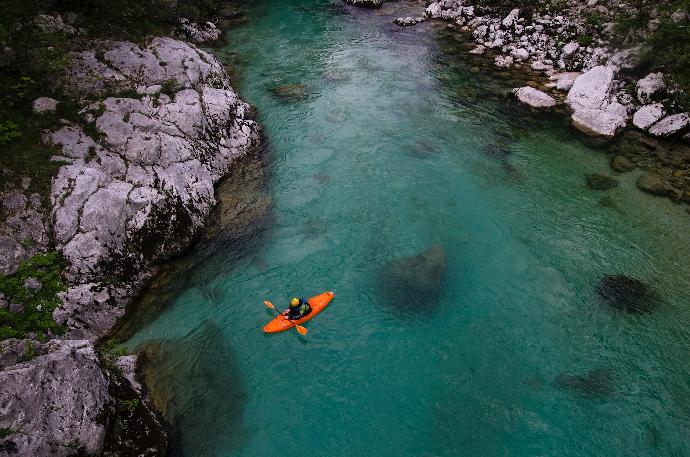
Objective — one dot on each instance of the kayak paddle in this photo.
(300, 329)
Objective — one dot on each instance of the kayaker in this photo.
(298, 308)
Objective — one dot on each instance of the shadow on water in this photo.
(236, 227)
(195, 383)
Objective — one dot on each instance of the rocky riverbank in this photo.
(601, 81)
(155, 126)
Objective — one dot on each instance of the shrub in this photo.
(9, 131)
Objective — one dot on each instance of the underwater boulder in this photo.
(409, 282)
(626, 294)
(596, 181)
(290, 91)
(597, 383)
(189, 390)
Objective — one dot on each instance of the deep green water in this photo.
(399, 145)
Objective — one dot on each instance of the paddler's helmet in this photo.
(294, 301)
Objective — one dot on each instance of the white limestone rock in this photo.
(366, 3)
(510, 19)
(671, 125)
(519, 54)
(591, 90)
(200, 33)
(503, 61)
(649, 87)
(648, 115)
(478, 50)
(44, 105)
(534, 98)
(53, 24)
(53, 403)
(595, 122)
(143, 190)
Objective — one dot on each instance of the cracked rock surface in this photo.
(52, 402)
(141, 190)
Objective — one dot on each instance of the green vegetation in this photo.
(128, 405)
(30, 351)
(585, 40)
(666, 49)
(111, 350)
(38, 305)
(9, 131)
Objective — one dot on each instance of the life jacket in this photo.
(301, 310)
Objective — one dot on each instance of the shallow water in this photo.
(390, 142)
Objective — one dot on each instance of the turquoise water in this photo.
(396, 143)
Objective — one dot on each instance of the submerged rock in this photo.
(622, 164)
(413, 284)
(656, 185)
(188, 388)
(290, 91)
(598, 383)
(626, 294)
(596, 181)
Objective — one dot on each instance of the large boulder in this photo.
(54, 404)
(190, 391)
(599, 123)
(592, 89)
(648, 115)
(534, 97)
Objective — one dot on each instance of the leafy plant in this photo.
(9, 131)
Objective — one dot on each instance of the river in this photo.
(384, 143)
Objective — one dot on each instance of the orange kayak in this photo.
(317, 303)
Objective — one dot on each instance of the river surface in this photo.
(396, 143)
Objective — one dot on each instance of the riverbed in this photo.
(383, 143)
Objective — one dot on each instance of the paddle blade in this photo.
(269, 304)
(301, 330)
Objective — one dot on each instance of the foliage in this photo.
(585, 40)
(667, 49)
(9, 131)
(595, 20)
(111, 350)
(128, 405)
(38, 305)
(30, 351)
